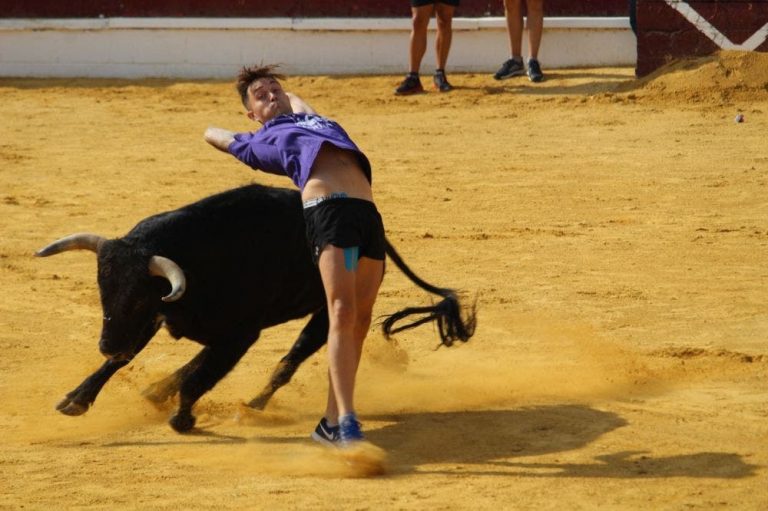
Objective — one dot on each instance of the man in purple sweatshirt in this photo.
(344, 228)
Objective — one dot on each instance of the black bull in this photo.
(218, 272)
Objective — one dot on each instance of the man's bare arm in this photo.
(219, 138)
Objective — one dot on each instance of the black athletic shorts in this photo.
(345, 223)
(422, 3)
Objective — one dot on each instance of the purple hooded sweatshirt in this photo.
(289, 144)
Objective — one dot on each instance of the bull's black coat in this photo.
(247, 267)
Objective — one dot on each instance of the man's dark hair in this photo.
(248, 75)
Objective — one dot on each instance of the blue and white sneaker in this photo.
(349, 430)
(326, 434)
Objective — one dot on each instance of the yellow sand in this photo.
(614, 233)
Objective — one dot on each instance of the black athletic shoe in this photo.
(534, 71)
(441, 82)
(325, 434)
(411, 85)
(510, 68)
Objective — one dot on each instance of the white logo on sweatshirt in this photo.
(314, 122)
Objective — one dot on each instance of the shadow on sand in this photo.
(630, 464)
(494, 437)
(488, 442)
(486, 435)
(587, 84)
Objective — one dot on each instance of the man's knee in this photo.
(421, 16)
(341, 314)
(443, 23)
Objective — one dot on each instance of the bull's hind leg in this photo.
(79, 400)
(213, 364)
(161, 391)
(312, 338)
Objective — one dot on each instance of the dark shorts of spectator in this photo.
(422, 3)
(354, 225)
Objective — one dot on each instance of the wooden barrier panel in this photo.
(669, 29)
(282, 8)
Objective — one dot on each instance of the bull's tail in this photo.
(446, 313)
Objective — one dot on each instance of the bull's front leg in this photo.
(312, 337)
(79, 400)
(214, 363)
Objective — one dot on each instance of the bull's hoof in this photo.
(182, 423)
(71, 408)
(157, 394)
(259, 402)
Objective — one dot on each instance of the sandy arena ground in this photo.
(613, 231)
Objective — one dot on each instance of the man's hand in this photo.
(219, 138)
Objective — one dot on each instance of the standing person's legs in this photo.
(513, 14)
(513, 66)
(420, 23)
(535, 26)
(444, 17)
(535, 29)
(418, 46)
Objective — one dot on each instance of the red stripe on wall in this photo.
(283, 8)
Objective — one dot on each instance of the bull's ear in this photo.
(160, 266)
(79, 241)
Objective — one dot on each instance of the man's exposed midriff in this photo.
(334, 171)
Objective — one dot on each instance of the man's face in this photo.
(267, 99)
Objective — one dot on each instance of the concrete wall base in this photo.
(218, 47)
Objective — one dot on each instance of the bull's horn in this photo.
(160, 266)
(79, 241)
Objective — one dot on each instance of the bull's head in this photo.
(132, 295)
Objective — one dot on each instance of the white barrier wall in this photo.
(217, 47)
